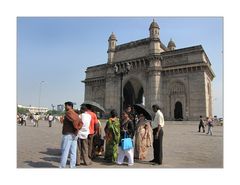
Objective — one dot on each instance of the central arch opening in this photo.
(128, 94)
(178, 111)
(133, 93)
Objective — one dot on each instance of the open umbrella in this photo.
(141, 109)
(95, 106)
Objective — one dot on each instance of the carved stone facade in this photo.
(179, 80)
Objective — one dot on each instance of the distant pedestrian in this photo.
(21, 119)
(126, 130)
(25, 119)
(18, 119)
(157, 126)
(31, 119)
(50, 120)
(112, 136)
(201, 125)
(210, 125)
(36, 119)
(215, 120)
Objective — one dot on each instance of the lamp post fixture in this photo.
(121, 73)
(39, 97)
(52, 106)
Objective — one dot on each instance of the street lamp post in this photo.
(39, 97)
(121, 73)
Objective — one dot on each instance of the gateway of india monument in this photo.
(179, 80)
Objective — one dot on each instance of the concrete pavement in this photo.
(184, 147)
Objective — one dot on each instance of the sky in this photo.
(58, 50)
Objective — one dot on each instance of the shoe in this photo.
(156, 163)
(152, 161)
(131, 164)
(88, 164)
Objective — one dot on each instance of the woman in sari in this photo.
(143, 138)
(112, 136)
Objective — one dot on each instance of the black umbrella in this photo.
(95, 106)
(141, 109)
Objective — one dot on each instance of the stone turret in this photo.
(154, 37)
(171, 45)
(154, 30)
(111, 47)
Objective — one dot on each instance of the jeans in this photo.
(209, 130)
(69, 144)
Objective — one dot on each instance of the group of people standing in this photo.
(79, 131)
(146, 133)
(34, 119)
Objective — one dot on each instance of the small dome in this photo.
(154, 25)
(171, 44)
(112, 37)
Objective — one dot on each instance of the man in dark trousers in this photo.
(157, 126)
(201, 125)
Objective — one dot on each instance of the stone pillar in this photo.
(154, 83)
(88, 92)
(111, 90)
(154, 87)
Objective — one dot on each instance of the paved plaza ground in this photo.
(183, 147)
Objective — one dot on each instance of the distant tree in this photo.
(21, 110)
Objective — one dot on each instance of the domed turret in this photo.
(112, 41)
(154, 25)
(154, 30)
(171, 45)
(112, 37)
(154, 47)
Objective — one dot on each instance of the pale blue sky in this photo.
(58, 51)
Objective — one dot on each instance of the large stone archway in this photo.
(178, 101)
(133, 92)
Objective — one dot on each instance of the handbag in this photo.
(126, 142)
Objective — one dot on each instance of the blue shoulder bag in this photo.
(126, 142)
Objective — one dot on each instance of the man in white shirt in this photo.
(83, 137)
(157, 125)
(36, 118)
(50, 119)
(25, 119)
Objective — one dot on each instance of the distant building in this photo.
(179, 80)
(60, 107)
(34, 110)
